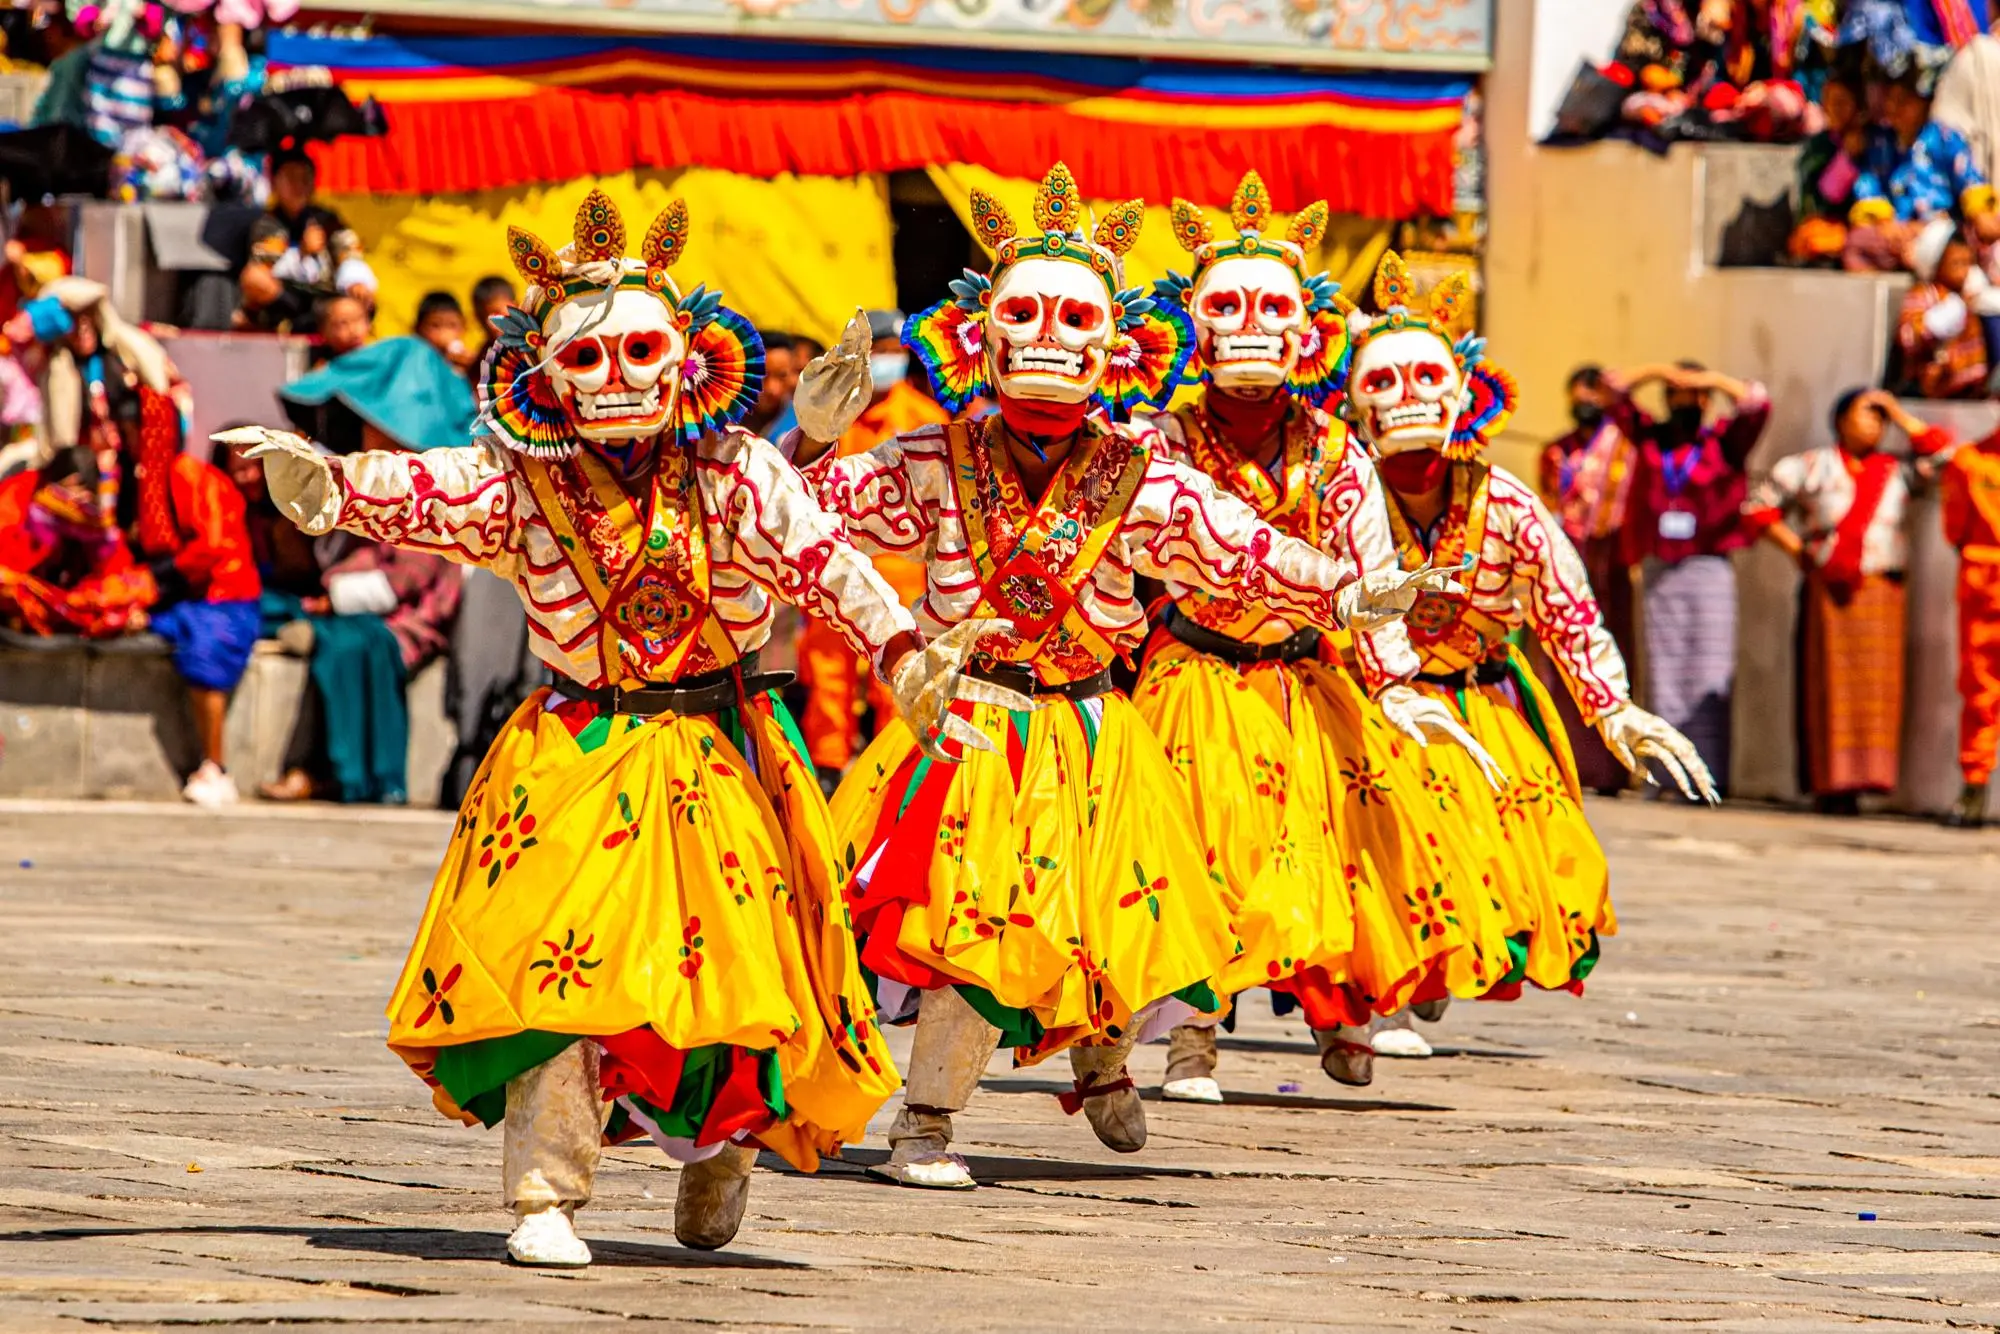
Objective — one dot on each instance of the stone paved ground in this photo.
(1800, 1025)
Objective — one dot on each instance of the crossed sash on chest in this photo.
(1033, 558)
(645, 571)
(1291, 501)
(1449, 633)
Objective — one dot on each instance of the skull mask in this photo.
(1406, 390)
(1052, 326)
(1249, 317)
(616, 364)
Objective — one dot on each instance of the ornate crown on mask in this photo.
(1488, 394)
(715, 382)
(1149, 345)
(1322, 353)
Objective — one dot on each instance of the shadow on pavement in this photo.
(1235, 1097)
(988, 1170)
(1279, 1047)
(424, 1243)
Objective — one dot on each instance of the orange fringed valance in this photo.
(479, 113)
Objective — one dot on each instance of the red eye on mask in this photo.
(1379, 381)
(645, 347)
(1221, 305)
(581, 354)
(1079, 314)
(1429, 374)
(1018, 310)
(1278, 306)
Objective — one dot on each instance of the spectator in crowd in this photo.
(110, 390)
(1829, 167)
(346, 324)
(491, 298)
(65, 566)
(295, 229)
(839, 686)
(36, 256)
(1586, 479)
(441, 323)
(1942, 346)
(384, 613)
(1838, 510)
(1971, 494)
(1683, 519)
(772, 415)
(1919, 171)
(1968, 97)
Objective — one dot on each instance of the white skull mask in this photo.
(1407, 391)
(617, 364)
(1051, 330)
(1250, 317)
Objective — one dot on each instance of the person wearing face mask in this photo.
(1838, 510)
(839, 685)
(1586, 479)
(1683, 521)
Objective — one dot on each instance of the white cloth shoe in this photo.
(919, 1154)
(210, 787)
(1197, 1088)
(1398, 1039)
(547, 1239)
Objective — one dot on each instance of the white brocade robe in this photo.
(1354, 528)
(899, 498)
(767, 540)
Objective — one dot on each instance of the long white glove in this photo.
(835, 385)
(1635, 736)
(925, 683)
(1381, 596)
(1411, 712)
(298, 476)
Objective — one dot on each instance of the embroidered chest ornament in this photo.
(1052, 326)
(1262, 319)
(1410, 386)
(606, 348)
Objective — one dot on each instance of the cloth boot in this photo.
(1345, 1054)
(1397, 1036)
(949, 1054)
(552, 1138)
(713, 1194)
(1104, 1093)
(1191, 1060)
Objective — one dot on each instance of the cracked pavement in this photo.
(1799, 1026)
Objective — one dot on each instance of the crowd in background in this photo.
(1656, 503)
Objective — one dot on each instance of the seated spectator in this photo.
(345, 325)
(65, 568)
(384, 613)
(1828, 168)
(772, 415)
(1919, 171)
(36, 256)
(441, 323)
(1942, 346)
(290, 267)
(492, 296)
(110, 390)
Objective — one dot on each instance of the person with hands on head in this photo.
(638, 928)
(1839, 511)
(1689, 479)
(1054, 893)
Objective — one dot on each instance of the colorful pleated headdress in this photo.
(1490, 393)
(1323, 341)
(718, 376)
(1150, 343)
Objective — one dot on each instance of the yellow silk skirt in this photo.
(1057, 880)
(664, 886)
(1547, 871)
(1382, 903)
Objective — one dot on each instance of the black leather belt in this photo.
(705, 693)
(1292, 648)
(1492, 672)
(1025, 681)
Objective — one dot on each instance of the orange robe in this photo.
(838, 684)
(1972, 524)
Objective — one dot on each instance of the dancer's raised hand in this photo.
(929, 679)
(835, 386)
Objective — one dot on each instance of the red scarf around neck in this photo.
(1842, 571)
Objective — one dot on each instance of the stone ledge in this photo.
(110, 720)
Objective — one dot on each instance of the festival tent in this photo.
(783, 150)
